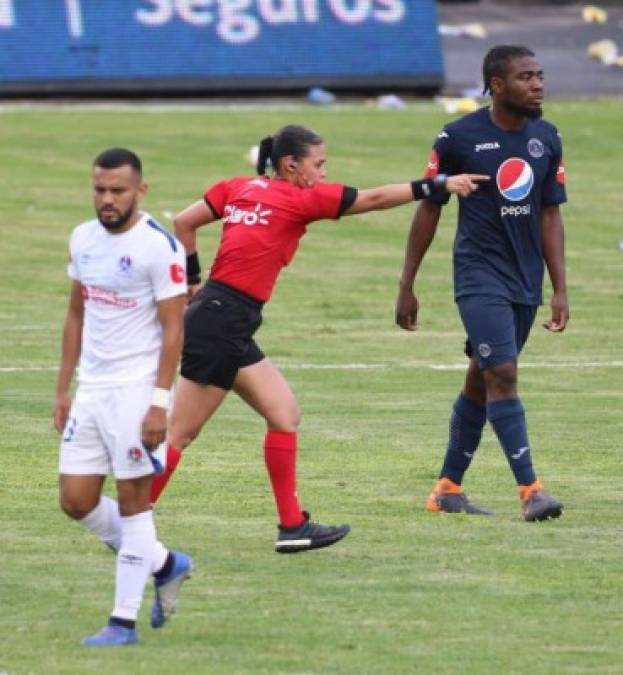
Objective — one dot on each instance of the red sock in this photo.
(159, 482)
(280, 457)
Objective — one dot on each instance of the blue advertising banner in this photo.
(217, 44)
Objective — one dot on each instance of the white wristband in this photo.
(161, 398)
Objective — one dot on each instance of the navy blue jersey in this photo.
(497, 249)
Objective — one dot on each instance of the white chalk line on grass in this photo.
(565, 364)
(370, 366)
(164, 107)
(25, 328)
(27, 369)
(439, 366)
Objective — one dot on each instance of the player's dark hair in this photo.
(291, 140)
(495, 63)
(113, 158)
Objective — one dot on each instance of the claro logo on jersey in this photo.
(234, 215)
(515, 180)
(103, 296)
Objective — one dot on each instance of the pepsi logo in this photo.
(515, 179)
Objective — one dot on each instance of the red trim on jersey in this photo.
(263, 221)
(561, 174)
(432, 168)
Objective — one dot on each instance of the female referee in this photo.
(263, 220)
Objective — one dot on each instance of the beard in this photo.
(118, 222)
(533, 113)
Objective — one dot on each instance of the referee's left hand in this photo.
(154, 427)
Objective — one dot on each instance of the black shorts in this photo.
(218, 335)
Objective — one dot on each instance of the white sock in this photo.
(160, 557)
(135, 561)
(105, 522)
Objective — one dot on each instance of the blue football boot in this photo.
(168, 589)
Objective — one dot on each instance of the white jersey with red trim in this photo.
(123, 277)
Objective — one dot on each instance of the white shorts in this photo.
(103, 433)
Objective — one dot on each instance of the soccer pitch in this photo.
(406, 591)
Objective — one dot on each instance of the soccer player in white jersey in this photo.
(125, 325)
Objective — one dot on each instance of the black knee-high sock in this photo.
(508, 420)
(466, 425)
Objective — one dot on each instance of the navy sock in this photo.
(126, 623)
(165, 570)
(508, 420)
(466, 425)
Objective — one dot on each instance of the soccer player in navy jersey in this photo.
(263, 220)
(506, 232)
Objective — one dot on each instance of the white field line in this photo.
(561, 364)
(27, 369)
(440, 366)
(369, 366)
(24, 328)
(164, 107)
(234, 103)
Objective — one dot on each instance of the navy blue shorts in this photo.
(496, 329)
(218, 335)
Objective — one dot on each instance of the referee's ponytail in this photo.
(292, 140)
(263, 155)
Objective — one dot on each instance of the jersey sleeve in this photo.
(216, 197)
(554, 191)
(72, 268)
(443, 160)
(323, 200)
(167, 268)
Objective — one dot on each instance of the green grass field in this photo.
(407, 591)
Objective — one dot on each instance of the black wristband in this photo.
(423, 188)
(426, 187)
(193, 269)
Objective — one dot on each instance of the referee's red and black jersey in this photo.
(263, 221)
